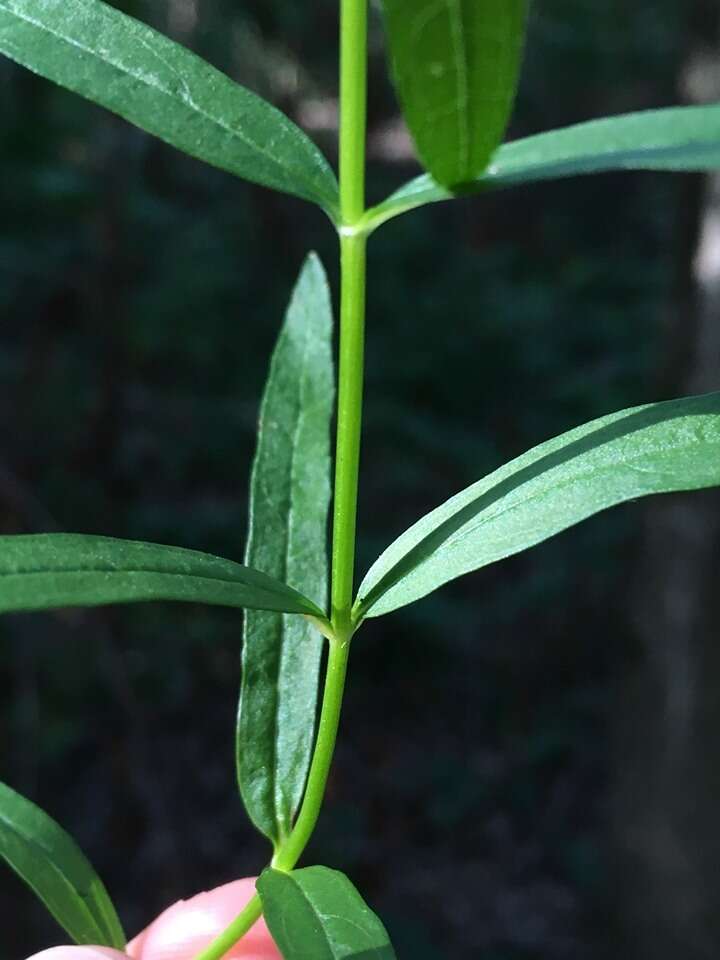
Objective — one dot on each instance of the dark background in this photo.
(527, 761)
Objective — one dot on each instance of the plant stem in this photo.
(349, 419)
(353, 123)
(353, 108)
(291, 850)
(236, 931)
(353, 241)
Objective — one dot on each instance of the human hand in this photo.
(184, 929)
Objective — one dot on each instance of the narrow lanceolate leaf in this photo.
(674, 139)
(50, 862)
(41, 571)
(658, 448)
(456, 65)
(106, 56)
(289, 497)
(317, 914)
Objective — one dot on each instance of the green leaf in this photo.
(658, 448)
(106, 56)
(41, 571)
(50, 862)
(456, 66)
(674, 139)
(317, 914)
(289, 499)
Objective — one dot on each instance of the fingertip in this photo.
(79, 953)
(190, 925)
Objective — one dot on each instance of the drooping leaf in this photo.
(289, 498)
(50, 862)
(41, 571)
(673, 139)
(658, 448)
(456, 65)
(120, 63)
(317, 914)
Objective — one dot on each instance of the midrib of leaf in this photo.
(46, 856)
(463, 92)
(285, 567)
(42, 571)
(302, 413)
(185, 94)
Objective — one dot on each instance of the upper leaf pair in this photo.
(456, 66)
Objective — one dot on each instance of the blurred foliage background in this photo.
(489, 729)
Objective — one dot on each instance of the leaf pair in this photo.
(456, 66)
(657, 448)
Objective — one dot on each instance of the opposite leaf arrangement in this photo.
(456, 67)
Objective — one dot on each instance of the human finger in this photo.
(79, 953)
(190, 925)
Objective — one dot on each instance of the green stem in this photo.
(236, 931)
(353, 108)
(349, 420)
(353, 241)
(291, 850)
(353, 124)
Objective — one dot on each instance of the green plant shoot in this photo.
(456, 66)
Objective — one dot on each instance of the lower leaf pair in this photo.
(316, 913)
